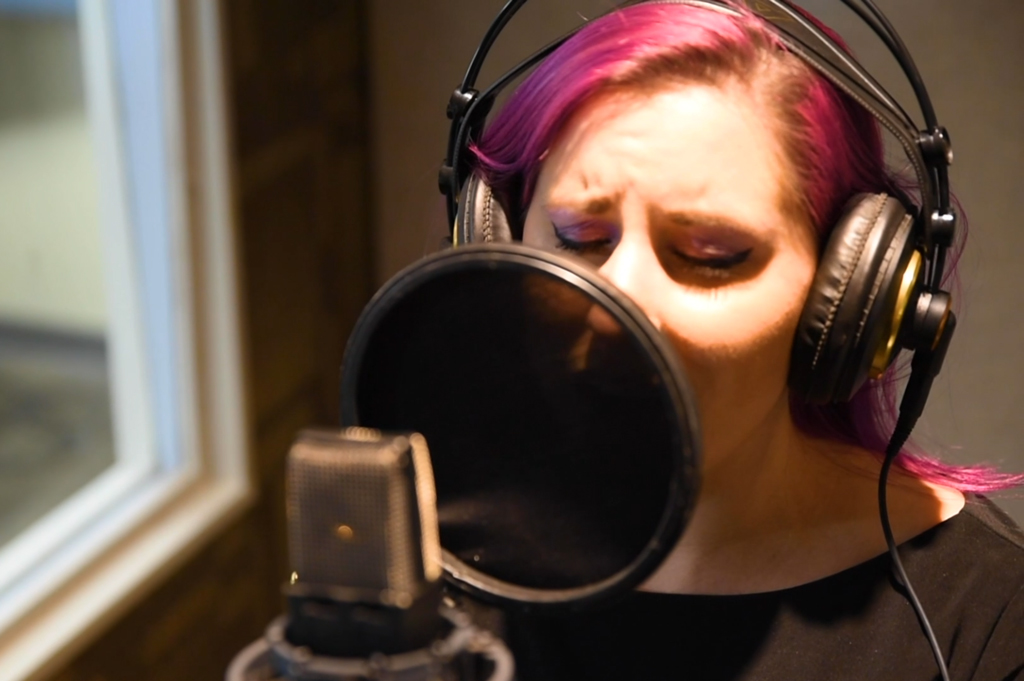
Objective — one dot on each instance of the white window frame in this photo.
(101, 550)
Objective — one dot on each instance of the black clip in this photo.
(460, 101)
(936, 147)
(446, 179)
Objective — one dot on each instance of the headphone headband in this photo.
(928, 150)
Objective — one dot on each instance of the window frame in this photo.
(160, 502)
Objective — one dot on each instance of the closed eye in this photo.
(586, 237)
(589, 246)
(718, 262)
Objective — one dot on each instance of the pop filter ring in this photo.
(682, 489)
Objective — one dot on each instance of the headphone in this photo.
(877, 288)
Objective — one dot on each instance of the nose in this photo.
(631, 267)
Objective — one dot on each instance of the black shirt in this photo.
(968, 573)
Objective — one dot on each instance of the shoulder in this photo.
(992, 520)
(981, 541)
(971, 571)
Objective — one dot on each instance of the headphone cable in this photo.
(901, 574)
(924, 368)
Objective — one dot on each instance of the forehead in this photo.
(692, 147)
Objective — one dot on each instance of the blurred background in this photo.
(157, 157)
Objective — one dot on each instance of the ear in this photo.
(850, 308)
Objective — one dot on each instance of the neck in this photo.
(781, 509)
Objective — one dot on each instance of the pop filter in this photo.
(562, 431)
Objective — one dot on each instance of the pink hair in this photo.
(833, 146)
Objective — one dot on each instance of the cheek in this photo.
(746, 318)
(537, 230)
(532, 226)
(729, 356)
(735, 341)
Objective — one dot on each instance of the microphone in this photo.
(365, 598)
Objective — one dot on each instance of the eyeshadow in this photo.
(712, 243)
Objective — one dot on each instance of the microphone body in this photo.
(365, 598)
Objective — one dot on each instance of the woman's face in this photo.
(677, 197)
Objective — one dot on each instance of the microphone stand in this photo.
(267, 658)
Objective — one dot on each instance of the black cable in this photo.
(884, 29)
(925, 367)
(465, 89)
(496, 27)
(940, 266)
(902, 55)
(943, 185)
(875, 26)
(899, 438)
(486, 99)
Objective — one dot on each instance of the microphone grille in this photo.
(361, 509)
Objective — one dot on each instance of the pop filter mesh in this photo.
(553, 438)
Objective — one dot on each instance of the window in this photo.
(55, 428)
(122, 438)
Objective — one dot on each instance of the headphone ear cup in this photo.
(850, 307)
(481, 217)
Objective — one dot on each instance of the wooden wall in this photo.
(297, 79)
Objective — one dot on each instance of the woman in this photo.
(698, 165)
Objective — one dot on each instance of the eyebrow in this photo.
(599, 206)
(685, 219)
(690, 219)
